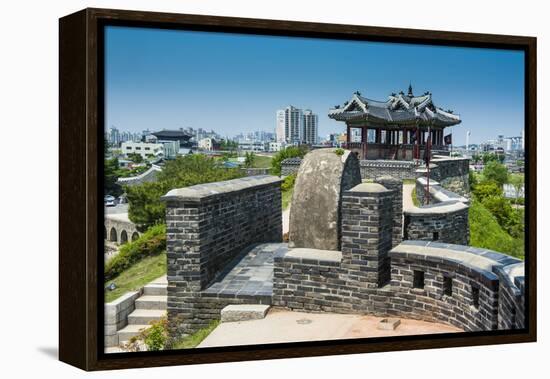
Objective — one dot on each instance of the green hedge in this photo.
(152, 242)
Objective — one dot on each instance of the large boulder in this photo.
(315, 211)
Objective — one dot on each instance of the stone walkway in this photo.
(286, 220)
(251, 275)
(286, 326)
(407, 196)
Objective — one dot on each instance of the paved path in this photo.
(286, 219)
(286, 326)
(407, 196)
(249, 275)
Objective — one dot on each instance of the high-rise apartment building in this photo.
(310, 124)
(295, 126)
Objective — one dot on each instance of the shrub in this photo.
(339, 151)
(288, 182)
(289, 152)
(152, 242)
(153, 338)
(157, 335)
(486, 189)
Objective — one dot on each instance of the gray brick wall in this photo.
(367, 215)
(452, 174)
(369, 168)
(208, 225)
(396, 186)
(444, 222)
(511, 308)
(430, 303)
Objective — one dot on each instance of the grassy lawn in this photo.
(194, 339)
(409, 181)
(261, 161)
(485, 232)
(136, 276)
(286, 197)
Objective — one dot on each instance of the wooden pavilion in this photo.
(397, 128)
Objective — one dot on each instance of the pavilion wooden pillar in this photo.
(364, 140)
(348, 136)
(417, 145)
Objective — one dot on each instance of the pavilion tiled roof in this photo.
(398, 109)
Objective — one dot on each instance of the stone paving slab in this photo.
(280, 326)
(251, 275)
(243, 312)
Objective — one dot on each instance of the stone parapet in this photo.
(207, 227)
(395, 185)
(367, 225)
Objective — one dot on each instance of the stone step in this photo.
(145, 316)
(155, 289)
(130, 331)
(243, 312)
(151, 302)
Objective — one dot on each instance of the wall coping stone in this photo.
(438, 208)
(302, 254)
(201, 192)
(442, 158)
(479, 260)
(369, 187)
(439, 193)
(513, 275)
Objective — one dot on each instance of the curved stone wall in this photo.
(459, 286)
(446, 222)
(452, 173)
(316, 200)
(148, 176)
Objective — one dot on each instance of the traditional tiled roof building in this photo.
(397, 128)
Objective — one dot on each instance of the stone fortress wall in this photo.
(371, 272)
(443, 216)
(451, 172)
(208, 226)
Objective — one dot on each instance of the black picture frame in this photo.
(81, 187)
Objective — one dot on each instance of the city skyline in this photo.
(152, 82)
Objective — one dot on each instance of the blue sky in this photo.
(234, 83)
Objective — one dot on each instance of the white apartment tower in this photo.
(280, 128)
(295, 126)
(310, 127)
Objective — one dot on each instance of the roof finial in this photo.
(410, 90)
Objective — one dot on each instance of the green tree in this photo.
(110, 177)
(145, 207)
(249, 159)
(486, 189)
(506, 217)
(472, 179)
(517, 181)
(497, 172)
(289, 152)
(136, 158)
